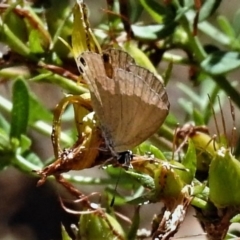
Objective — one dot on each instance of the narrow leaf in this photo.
(221, 62)
(65, 235)
(154, 9)
(20, 110)
(208, 9)
(226, 26)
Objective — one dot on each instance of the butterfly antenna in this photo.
(115, 189)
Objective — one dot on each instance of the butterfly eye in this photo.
(83, 63)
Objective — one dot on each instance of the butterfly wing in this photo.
(118, 58)
(131, 105)
(104, 91)
(143, 108)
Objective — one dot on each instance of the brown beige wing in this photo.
(118, 58)
(104, 92)
(142, 110)
(129, 108)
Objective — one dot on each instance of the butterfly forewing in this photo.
(90, 65)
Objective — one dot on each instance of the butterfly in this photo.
(130, 102)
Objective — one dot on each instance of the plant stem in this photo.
(65, 83)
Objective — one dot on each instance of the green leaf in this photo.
(35, 42)
(13, 41)
(150, 32)
(171, 120)
(236, 219)
(194, 97)
(145, 180)
(20, 110)
(200, 190)
(206, 146)
(198, 117)
(26, 162)
(167, 74)
(226, 26)
(136, 10)
(65, 235)
(168, 182)
(153, 32)
(139, 56)
(236, 25)
(164, 15)
(190, 162)
(34, 159)
(208, 8)
(154, 9)
(224, 175)
(221, 62)
(16, 24)
(6, 152)
(4, 140)
(99, 226)
(121, 175)
(25, 143)
(4, 124)
(186, 105)
(38, 111)
(145, 148)
(114, 197)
